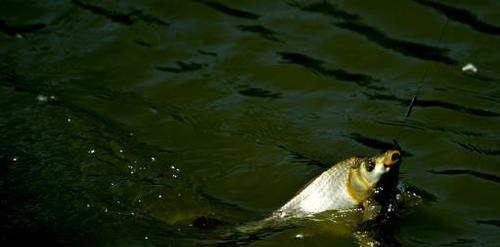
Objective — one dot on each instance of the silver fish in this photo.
(346, 185)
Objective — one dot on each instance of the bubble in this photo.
(121, 150)
(68, 120)
(132, 213)
(15, 159)
(146, 237)
(139, 201)
(160, 196)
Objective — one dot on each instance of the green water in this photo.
(121, 122)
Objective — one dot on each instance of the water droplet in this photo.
(42, 98)
(469, 68)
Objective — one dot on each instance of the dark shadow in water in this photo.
(413, 124)
(13, 30)
(374, 143)
(352, 22)
(317, 66)
(182, 67)
(207, 53)
(258, 92)
(489, 222)
(481, 175)
(434, 103)
(327, 9)
(305, 159)
(143, 43)
(228, 10)
(260, 30)
(122, 18)
(407, 48)
(463, 16)
(476, 149)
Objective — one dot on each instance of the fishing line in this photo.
(421, 83)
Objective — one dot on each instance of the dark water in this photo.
(121, 122)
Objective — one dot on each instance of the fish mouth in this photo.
(391, 158)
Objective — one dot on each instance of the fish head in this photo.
(373, 168)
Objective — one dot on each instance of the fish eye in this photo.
(370, 165)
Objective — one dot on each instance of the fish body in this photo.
(346, 185)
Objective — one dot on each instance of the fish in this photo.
(346, 185)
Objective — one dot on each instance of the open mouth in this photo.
(392, 158)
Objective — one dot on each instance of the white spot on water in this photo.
(139, 201)
(172, 167)
(179, 195)
(174, 176)
(299, 236)
(153, 159)
(121, 150)
(469, 68)
(92, 151)
(19, 36)
(88, 205)
(160, 196)
(15, 159)
(118, 202)
(105, 210)
(68, 120)
(132, 213)
(52, 97)
(146, 237)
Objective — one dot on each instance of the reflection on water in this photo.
(163, 123)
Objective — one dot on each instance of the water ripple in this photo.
(119, 17)
(352, 22)
(435, 103)
(317, 66)
(463, 16)
(229, 10)
(455, 172)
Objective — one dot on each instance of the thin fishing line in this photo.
(421, 82)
